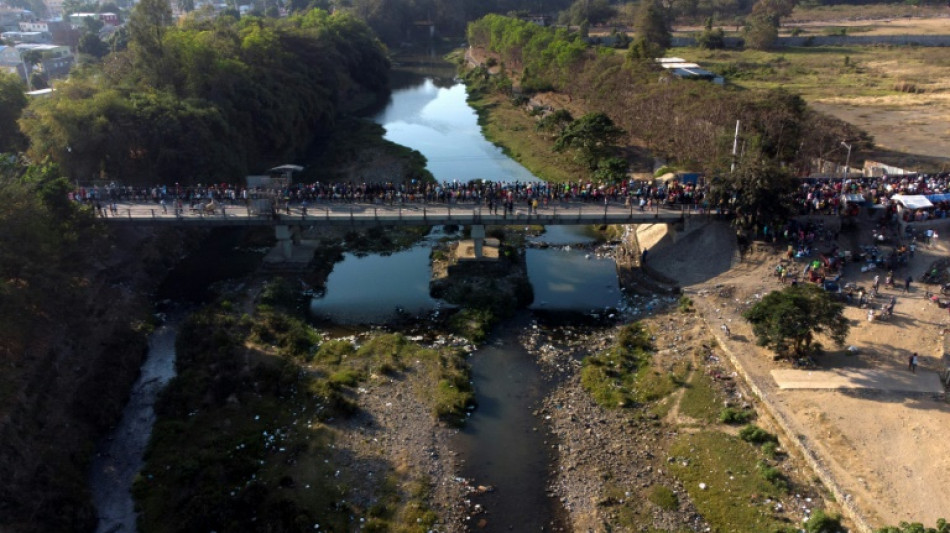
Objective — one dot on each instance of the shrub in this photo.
(731, 415)
(686, 304)
(770, 449)
(819, 522)
(663, 497)
(774, 476)
(756, 435)
(916, 527)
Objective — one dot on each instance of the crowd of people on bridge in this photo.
(493, 194)
(815, 196)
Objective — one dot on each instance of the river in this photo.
(503, 444)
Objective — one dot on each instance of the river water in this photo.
(502, 445)
(121, 458)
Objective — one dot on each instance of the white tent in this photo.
(912, 201)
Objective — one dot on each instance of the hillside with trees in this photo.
(689, 123)
(201, 100)
(208, 100)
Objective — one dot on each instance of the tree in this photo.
(651, 26)
(147, 26)
(592, 135)
(91, 44)
(711, 39)
(759, 192)
(611, 169)
(591, 11)
(12, 103)
(787, 321)
(760, 32)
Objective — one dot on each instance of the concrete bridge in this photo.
(287, 218)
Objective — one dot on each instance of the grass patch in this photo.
(663, 497)
(735, 489)
(774, 476)
(832, 72)
(701, 400)
(624, 374)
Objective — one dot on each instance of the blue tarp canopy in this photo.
(689, 177)
(939, 197)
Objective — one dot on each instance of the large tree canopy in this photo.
(210, 99)
(593, 135)
(788, 320)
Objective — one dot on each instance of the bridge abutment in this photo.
(285, 241)
(478, 238)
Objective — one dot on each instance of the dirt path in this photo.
(881, 452)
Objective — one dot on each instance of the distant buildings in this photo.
(52, 61)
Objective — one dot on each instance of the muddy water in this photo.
(503, 444)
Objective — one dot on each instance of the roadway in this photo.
(365, 214)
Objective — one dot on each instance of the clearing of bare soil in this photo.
(881, 453)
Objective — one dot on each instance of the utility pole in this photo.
(735, 146)
(847, 160)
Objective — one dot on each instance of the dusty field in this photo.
(919, 125)
(885, 452)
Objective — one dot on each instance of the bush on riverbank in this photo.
(624, 376)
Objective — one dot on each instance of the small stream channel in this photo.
(121, 457)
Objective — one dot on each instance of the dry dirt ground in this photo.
(884, 453)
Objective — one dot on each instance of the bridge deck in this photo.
(396, 215)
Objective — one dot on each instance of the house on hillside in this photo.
(35, 37)
(60, 32)
(10, 18)
(53, 61)
(680, 68)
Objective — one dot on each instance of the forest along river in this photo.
(503, 444)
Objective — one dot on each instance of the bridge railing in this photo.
(400, 214)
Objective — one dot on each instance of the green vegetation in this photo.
(239, 437)
(701, 399)
(788, 320)
(821, 522)
(688, 123)
(663, 497)
(735, 488)
(510, 128)
(624, 376)
(731, 415)
(209, 99)
(756, 435)
(685, 304)
(916, 527)
(12, 102)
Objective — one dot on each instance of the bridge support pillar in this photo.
(285, 241)
(478, 239)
